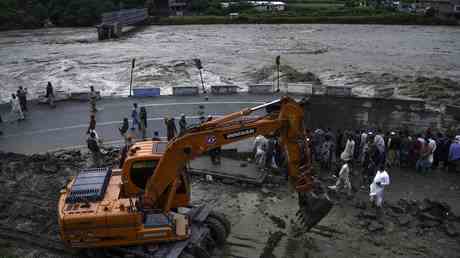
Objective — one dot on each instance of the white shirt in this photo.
(433, 146)
(259, 142)
(349, 150)
(379, 142)
(344, 171)
(383, 178)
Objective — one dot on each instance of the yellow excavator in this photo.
(144, 210)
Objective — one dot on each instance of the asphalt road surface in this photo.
(65, 127)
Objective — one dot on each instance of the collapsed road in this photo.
(262, 217)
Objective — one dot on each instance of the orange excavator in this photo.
(144, 210)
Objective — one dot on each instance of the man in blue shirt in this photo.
(454, 154)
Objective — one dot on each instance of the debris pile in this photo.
(423, 215)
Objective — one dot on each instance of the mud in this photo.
(420, 215)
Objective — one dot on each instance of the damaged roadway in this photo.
(263, 217)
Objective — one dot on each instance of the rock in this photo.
(265, 190)
(360, 204)
(451, 230)
(49, 168)
(280, 223)
(375, 226)
(368, 215)
(404, 220)
(429, 223)
(228, 181)
(397, 209)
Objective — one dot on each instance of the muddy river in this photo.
(350, 55)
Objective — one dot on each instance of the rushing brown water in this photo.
(353, 55)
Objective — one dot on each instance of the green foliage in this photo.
(33, 13)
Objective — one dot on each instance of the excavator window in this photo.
(141, 171)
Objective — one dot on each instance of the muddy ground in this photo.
(263, 218)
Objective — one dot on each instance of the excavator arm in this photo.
(286, 122)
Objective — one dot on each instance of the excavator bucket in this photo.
(314, 203)
(313, 208)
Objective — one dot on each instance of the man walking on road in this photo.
(143, 121)
(135, 117)
(182, 124)
(170, 127)
(50, 95)
(124, 129)
(92, 99)
(16, 111)
(93, 146)
(22, 95)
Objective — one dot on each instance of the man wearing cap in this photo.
(454, 155)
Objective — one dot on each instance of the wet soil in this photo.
(263, 219)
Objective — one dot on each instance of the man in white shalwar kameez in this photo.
(377, 187)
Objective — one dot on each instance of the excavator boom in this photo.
(286, 121)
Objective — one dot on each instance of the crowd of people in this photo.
(367, 155)
(372, 149)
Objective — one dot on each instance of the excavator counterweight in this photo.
(147, 202)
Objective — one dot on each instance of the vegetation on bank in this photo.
(37, 13)
(399, 19)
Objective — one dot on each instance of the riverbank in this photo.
(386, 19)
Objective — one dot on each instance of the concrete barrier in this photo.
(263, 88)
(185, 91)
(300, 88)
(385, 92)
(146, 92)
(59, 95)
(224, 89)
(83, 95)
(338, 91)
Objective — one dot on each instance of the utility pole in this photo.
(278, 71)
(133, 64)
(200, 68)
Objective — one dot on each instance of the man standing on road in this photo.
(377, 187)
(16, 111)
(124, 129)
(50, 95)
(92, 125)
(143, 121)
(92, 99)
(135, 117)
(182, 123)
(22, 95)
(170, 127)
(93, 146)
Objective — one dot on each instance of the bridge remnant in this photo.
(112, 23)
